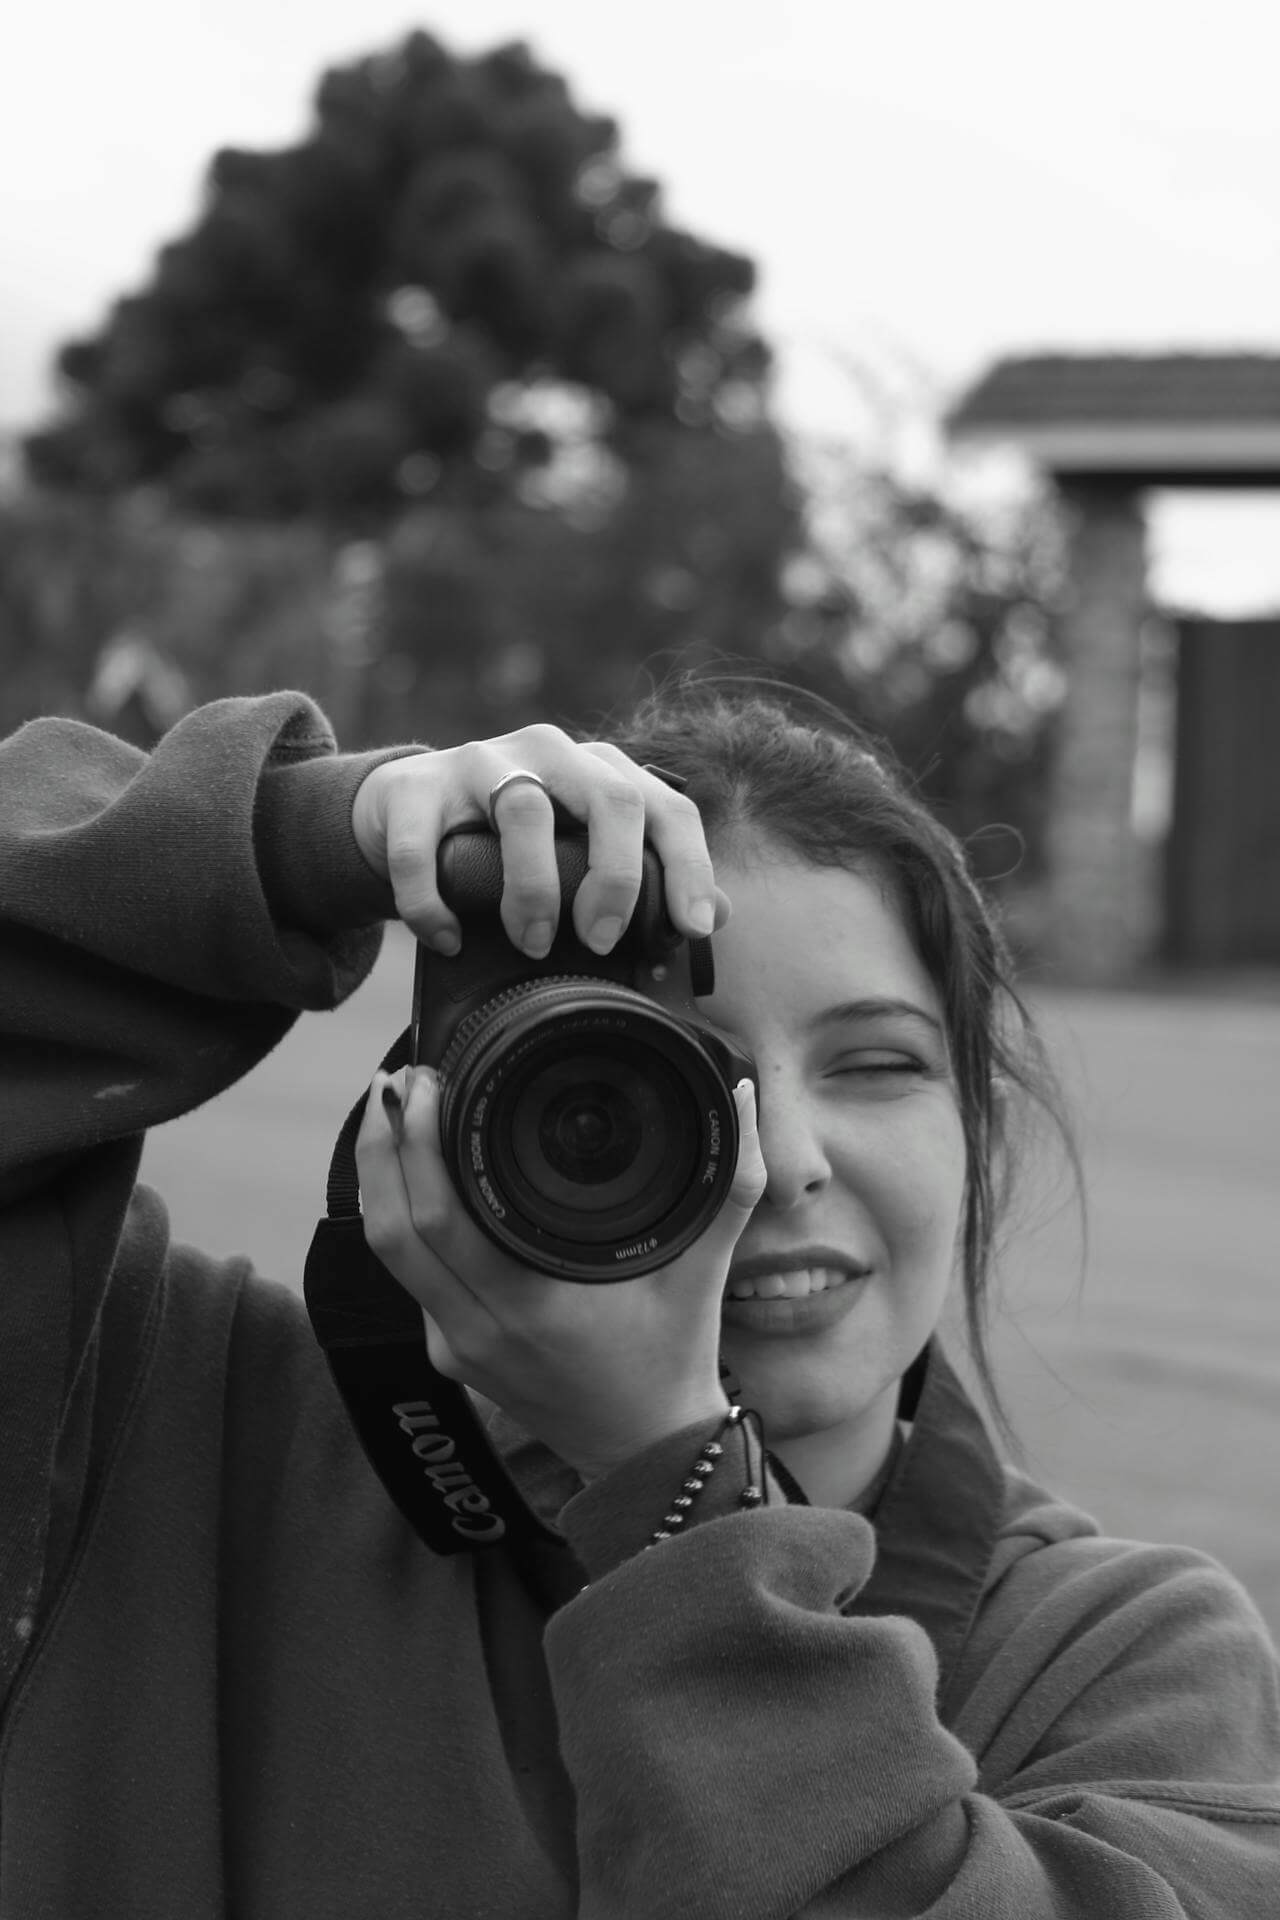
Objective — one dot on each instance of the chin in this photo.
(796, 1399)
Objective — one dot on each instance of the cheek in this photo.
(919, 1180)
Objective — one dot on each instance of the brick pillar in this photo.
(1098, 928)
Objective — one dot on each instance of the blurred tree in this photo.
(328, 338)
(516, 426)
(553, 603)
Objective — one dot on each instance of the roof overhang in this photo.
(1199, 453)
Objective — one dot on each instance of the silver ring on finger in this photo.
(509, 780)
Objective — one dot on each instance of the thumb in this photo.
(750, 1176)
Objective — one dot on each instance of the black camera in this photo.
(587, 1116)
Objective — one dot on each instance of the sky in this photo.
(923, 186)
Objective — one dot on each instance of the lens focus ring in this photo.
(479, 1019)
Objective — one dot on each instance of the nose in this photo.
(791, 1144)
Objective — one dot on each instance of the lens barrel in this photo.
(590, 1132)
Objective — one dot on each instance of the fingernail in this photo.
(393, 1107)
(604, 934)
(702, 917)
(536, 939)
(446, 941)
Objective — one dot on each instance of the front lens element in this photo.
(589, 1133)
(591, 1130)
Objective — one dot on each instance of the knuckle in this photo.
(749, 1182)
(540, 734)
(403, 845)
(420, 910)
(683, 811)
(532, 893)
(425, 1219)
(469, 758)
(474, 766)
(406, 848)
(400, 778)
(623, 799)
(611, 755)
(615, 879)
(380, 1238)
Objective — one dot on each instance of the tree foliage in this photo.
(520, 613)
(328, 337)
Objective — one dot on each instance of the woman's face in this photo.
(842, 1271)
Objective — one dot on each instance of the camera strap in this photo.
(419, 1430)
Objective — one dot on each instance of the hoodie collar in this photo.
(936, 1520)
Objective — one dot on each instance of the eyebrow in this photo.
(875, 1009)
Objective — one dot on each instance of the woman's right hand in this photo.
(404, 808)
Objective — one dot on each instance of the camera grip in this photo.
(469, 876)
(469, 869)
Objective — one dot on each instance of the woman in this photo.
(880, 1675)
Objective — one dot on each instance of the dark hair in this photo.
(770, 760)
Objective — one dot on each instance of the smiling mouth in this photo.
(795, 1283)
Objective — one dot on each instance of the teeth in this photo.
(794, 1285)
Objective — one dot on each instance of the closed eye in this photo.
(882, 1076)
(878, 1063)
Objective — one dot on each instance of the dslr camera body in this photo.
(587, 1116)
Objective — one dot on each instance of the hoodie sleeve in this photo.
(164, 918)
(744, 1747)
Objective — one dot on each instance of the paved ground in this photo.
(1143, 1377)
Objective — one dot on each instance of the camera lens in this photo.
(589, 1131)
(592, 1130)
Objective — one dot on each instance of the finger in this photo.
(746, 1190)
(673, 825)
(604, 792)
(429, 1192)
(530, 911)
(750, 1175)
(414, 823)
(377, 1163)
(489, 1279)
(618, 802)
(616, 821)
(439, 1352)
(436, 1213)
(388, 1221)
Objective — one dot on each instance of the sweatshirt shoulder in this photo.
(1093, 1657)
(1032, 1517)
(1048, 1550)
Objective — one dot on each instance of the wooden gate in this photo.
(1222, 876)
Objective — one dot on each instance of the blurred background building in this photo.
(1184, 876)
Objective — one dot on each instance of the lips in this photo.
(795, 1292)
(760, 1272)
(786, 1283)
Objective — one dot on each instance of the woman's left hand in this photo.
(597, 1373)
